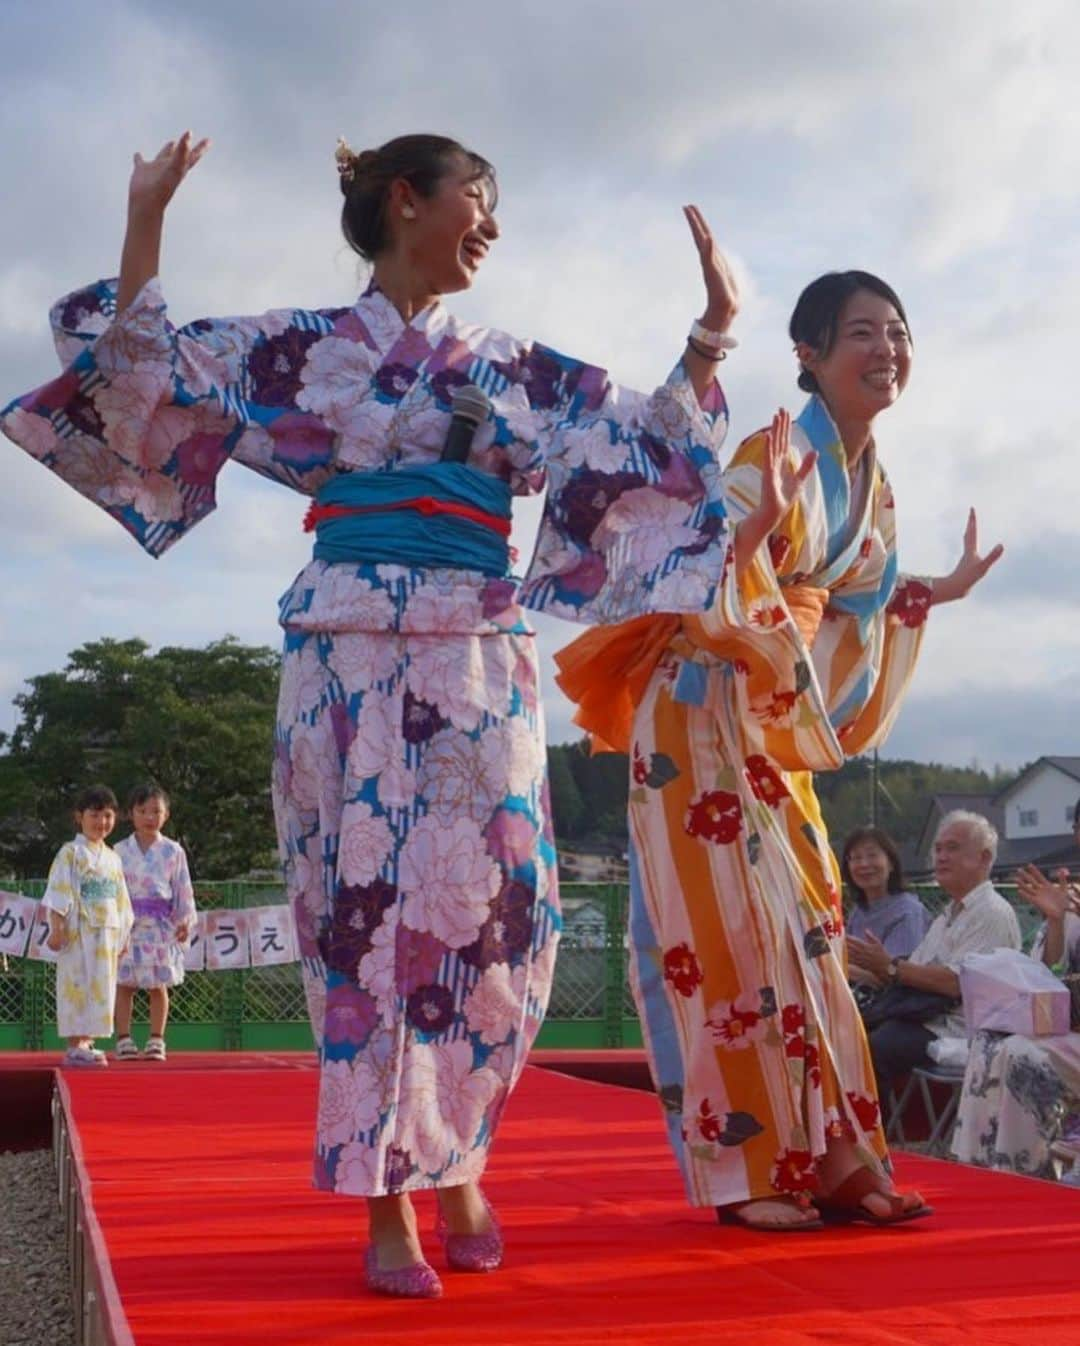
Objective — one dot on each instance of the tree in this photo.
(198, 721)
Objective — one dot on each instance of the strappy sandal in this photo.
(846, 1204)
(732, 1214)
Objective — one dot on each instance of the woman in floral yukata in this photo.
(757, 1049)
(410, 777)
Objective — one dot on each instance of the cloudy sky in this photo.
(936, 143)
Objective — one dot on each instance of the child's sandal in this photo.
(126, 1050)
(154, 1049)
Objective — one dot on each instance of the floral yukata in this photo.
(410, 770)
(737, 956)
(162, 899)
(1018, 1091)
(86, 887)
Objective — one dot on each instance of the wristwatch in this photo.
(893, 971)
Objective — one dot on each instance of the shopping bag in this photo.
(1009, 992)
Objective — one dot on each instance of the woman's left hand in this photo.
(969, 570)
(721, 290)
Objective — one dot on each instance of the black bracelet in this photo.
(706, 352)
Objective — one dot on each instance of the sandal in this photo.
(733, 1214)
(126, 1050)
(154, 1049)
(846, 1204)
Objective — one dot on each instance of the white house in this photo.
(1033, 816)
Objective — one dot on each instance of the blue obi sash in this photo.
(427, 515)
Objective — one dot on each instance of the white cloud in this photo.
(917, 139)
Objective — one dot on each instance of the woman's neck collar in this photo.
(398, 282)
(856, 435)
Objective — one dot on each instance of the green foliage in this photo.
(198, 721)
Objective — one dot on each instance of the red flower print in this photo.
(740, 666)
(793, 1171)
(682, 969)
(716, 816)
(779, 546)
(765, 781)
(793, 1018)
(737, 1023)
(768, 617)
(911, 603)
(812, 1062)
(779, 709)
(640, 767)
(709, 1125)
(866, 546)
(866, 1110)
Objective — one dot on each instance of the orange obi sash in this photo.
(606, 670)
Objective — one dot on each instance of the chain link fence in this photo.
(264, 1008)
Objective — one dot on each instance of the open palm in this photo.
(154, 181)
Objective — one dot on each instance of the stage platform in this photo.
(199, 1228)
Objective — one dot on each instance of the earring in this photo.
(408, 213)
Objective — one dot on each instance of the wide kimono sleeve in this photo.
(634, 519)
(125, 911)
(62, 888)
(183, 894)
(823, 647)
(145, 414)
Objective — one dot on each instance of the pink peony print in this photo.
(510, 838)
(365, 844)
(447, 673)
(361, 660)
(303, 680)
(349, 1101)
(31, 432)
(127, 405)
(647, 526)
(443, 1101)
(356, 1172)
(463, 777)
(495, 1004)
(313, 757)
(448, 879)
(433, 610)
(378, 740)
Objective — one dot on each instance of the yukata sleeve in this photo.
(634, 519)
(62, 888)
(183, 893)
(145, 414)
(123, 902)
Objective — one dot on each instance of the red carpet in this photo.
(200, 1185)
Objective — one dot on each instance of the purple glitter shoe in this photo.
(472, 1252)
(418, 1281)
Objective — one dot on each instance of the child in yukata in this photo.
(156, 871)
(90, 920)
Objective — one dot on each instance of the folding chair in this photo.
(940, 1122)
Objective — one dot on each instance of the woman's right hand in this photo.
(154, 181)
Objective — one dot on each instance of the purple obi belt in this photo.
(151, 908)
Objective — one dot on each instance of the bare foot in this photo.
(771, 1214)
(464, 1209)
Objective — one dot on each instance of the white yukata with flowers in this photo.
(86, 886)
(410, 781)
(162, 900)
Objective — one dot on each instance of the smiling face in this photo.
(869, 867)
(961, 861)
(446, 236)
(96, 823)
(867, 367)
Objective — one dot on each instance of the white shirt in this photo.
(978, 923)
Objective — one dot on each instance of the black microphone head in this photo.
(471, 402)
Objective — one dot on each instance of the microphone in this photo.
(471, 406)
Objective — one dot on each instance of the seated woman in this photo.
(1018, 1090)
(884, 910)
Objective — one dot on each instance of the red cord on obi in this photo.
(422, 504)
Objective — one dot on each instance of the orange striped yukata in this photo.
(737, 957)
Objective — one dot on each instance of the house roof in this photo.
(1070, 766)
(943, 803)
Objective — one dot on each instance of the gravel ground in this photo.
(35, 1306)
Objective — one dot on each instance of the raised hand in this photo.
(154, 181)
(721, 290)
(1052, 899)
(781, 482)
(970, 569)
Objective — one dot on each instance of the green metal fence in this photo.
(262, 1009)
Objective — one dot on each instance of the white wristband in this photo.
(719, 341)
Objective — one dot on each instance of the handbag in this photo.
(906, 1003)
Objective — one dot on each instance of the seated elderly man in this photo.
(976, 920)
